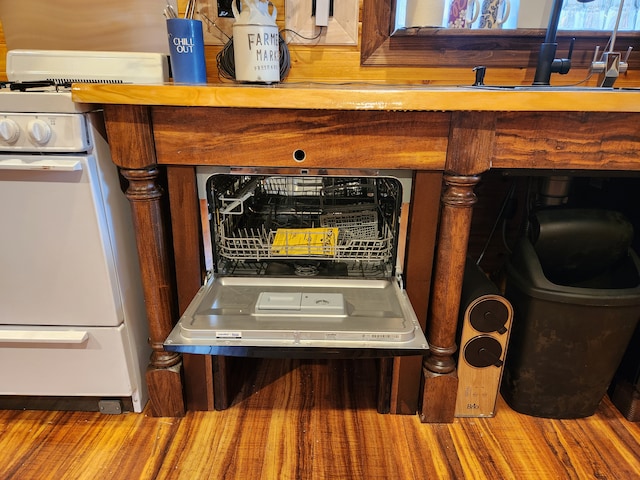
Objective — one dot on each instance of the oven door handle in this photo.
(44, 164)
(43, 336)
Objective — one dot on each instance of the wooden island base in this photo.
(447, 137)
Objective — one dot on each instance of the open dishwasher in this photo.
(303, 265)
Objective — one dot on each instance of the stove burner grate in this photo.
(51, 84)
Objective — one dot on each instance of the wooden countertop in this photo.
(360, 96)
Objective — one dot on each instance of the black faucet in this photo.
(547, 63)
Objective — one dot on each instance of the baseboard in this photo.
(61, 403)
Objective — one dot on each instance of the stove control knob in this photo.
(9, 130)
(39, 131)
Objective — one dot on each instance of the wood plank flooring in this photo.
(296, 419)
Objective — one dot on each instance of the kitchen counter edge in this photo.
(361, 97)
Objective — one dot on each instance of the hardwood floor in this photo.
(314, 420)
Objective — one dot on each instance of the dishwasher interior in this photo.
(302, 260)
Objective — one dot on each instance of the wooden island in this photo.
(448, 136)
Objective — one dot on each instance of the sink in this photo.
(544, 88)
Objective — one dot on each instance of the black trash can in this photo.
(575, 288)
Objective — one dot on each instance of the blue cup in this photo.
(186, 49)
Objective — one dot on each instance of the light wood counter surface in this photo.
(359, 96)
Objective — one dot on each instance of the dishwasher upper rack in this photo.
(349, 206)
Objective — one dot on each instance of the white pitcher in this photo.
(256, 42)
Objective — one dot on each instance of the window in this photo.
(511, 14)
(599, 15)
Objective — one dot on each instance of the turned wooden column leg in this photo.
(164, 373)
(439, 366)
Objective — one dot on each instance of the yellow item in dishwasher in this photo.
(305, 241)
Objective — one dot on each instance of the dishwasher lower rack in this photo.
(262, 223)
(350, 236)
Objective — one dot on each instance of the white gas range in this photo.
(72, 318)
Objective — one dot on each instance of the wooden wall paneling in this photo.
(342, 63)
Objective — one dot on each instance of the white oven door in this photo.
(56, 259)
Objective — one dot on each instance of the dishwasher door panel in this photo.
(267, 316)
